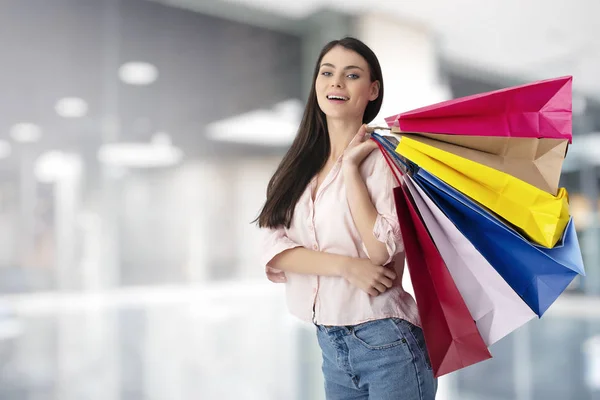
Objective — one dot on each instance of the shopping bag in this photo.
(539, 215)
(540, 109)
(536, 161)
(452, 338)
(493, 304)
(537, 274)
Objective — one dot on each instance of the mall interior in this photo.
(137, 138)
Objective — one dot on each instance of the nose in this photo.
(336, 82)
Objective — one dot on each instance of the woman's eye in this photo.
(353, 76)
(326, 73)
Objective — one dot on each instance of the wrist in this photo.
(349, 166)
(341, 266)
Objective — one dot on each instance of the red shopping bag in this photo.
(452, 338)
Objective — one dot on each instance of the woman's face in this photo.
(343, 85)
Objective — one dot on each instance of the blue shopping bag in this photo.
(537, 274)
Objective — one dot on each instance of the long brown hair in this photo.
(310, 149)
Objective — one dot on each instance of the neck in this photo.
(341, 133)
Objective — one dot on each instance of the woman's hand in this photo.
(359, 148)
(275, 275)
(370, 278)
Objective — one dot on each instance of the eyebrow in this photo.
(345, 68)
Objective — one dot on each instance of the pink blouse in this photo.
(327, 225)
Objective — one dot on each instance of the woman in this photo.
(332, 235)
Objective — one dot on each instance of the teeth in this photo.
(337, 97)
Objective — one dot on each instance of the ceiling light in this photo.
(71, 107)
(158, 153)
(276, 127)
(25, 132)
(138, 73)
(54, 166)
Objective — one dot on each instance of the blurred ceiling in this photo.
(208, 68)
(530, 39)
(208, 59)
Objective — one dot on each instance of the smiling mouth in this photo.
(334, 97)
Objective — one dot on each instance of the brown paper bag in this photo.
(535, 161)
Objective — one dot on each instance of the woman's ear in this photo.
(374, 90)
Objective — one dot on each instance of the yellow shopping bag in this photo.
(537, 214)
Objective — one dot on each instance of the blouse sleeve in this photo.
(275, 241)
(380, 183)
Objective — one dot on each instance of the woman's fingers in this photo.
(359, 137)
(380, 287)
(362, 132)
(370, 278)
(389, 273)
(387, 282)
(276, 275)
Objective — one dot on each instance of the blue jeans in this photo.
(384, 359)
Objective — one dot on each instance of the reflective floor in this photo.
(236, 341)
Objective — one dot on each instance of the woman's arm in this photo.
(364, 213)
(360, 272)
(304, 261)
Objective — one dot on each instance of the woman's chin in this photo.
(339, 114)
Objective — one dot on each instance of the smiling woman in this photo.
(312, 148)
(332, 236)
(344, 91)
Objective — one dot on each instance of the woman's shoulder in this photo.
(374, 162)
(377, 171)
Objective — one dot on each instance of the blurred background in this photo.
(137, 138)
